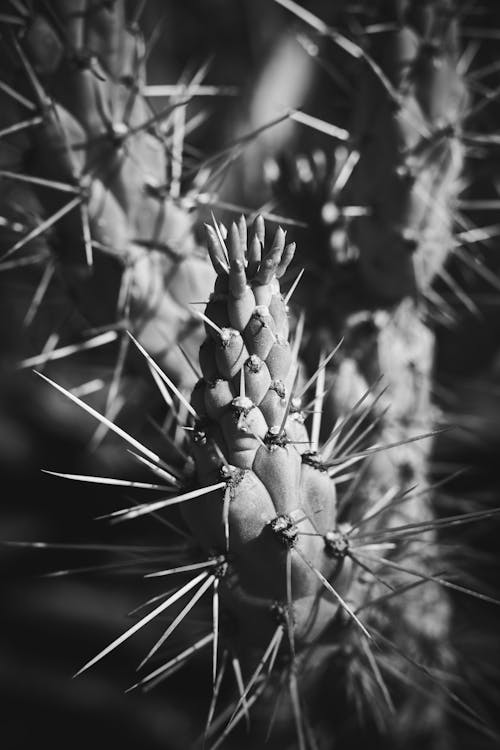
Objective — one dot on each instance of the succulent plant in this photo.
(85, 169)
(300, 496)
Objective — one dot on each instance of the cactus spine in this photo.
(307, 535)
(85, 166)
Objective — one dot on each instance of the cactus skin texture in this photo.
(287, 539)
(406, 128)
(405, 132)
(275, 487)
(290, 559)
(386, 208)
(122, 245)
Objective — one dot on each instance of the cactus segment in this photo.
(307, 536)
(279, 506)
(86, 159)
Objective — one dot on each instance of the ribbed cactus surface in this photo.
(406, 130)
(291, 567)
(301, 482)
(279, 502)
(85, 172)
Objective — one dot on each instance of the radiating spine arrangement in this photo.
(300, 488)
(302, 587)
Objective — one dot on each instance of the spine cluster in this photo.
(280, 502)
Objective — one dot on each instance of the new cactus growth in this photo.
(280, 501)
(300, 490)
(295, 560)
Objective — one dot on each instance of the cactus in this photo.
(289, 567)
(293, 563)
(301, 488)
(85, 169)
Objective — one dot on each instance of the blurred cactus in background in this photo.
(87, 161)
(283, 398)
